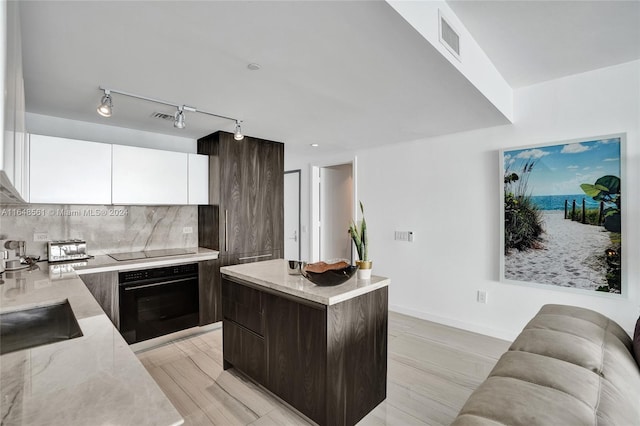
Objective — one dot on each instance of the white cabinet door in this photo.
(68, 171)
(148, 176)
(198, 179)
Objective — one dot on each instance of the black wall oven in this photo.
(158, 301)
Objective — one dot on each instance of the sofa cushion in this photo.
(636, 342)
(569, 366)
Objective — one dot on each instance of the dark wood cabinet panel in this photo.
(250, 177)
(270, 198)
(104, 288)
(357, 356)
(243, 305)
(296, 352)
(208, 226)
(245, 221)
(244, 350)
(209, 284)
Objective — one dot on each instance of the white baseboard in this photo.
(487, 331)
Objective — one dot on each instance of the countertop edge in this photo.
(375, 283)
(137, 264)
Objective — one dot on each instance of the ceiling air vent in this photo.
(448, 36)
(163, 116)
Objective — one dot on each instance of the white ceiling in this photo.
(534, 41)
(341, 74)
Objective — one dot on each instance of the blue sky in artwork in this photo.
(560, 169)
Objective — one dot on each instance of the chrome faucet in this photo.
(19, 246)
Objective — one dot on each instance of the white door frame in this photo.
(299, 172)
(314, 172)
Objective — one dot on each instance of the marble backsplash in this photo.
(106, 229)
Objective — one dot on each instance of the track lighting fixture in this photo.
(105, 107)
(179, 123)
(237, 135)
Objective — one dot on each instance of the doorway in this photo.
(333, 209)
(292, 206)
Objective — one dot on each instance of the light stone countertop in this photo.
(94, 379)
(273, 274)
(105, 263)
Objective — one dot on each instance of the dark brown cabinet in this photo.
(210, 304)
(245, 220)
(246, 214)
(296, 352)
(104, 288)
(243, 323)
(329, 362)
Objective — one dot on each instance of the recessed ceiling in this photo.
(535, 41)
(342, 74)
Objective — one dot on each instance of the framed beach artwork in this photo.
(561, 214)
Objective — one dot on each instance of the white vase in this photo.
(364, 269)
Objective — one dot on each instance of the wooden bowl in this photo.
(330, 273)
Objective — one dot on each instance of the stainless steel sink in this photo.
(36, 327)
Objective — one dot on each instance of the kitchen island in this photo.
(323, 350)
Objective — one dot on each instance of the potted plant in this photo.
(360, 239)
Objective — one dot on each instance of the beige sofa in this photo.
(569, 366)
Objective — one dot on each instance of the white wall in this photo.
(446, 190)
(82, 130)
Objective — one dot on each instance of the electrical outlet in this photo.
(403, 236)
(482, 296)
(40, 236)
(187, 230)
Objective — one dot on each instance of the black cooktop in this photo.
(148, 254)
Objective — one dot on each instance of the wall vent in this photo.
(163, 116)
(449, 37)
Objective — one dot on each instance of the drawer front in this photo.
(244, 350)
(243, 305)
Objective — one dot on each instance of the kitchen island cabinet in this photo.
(321, 349)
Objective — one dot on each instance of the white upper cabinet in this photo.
(198, 179)
(14, 180)
(148, 176)
(69, 171)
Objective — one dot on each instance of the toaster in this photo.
(59, 251)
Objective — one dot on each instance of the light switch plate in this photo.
(40, 236)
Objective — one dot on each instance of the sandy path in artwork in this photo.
(572, 255)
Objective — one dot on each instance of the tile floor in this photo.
(432, 370)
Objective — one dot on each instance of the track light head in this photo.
(238, 133)
(105, 107)
(179, 123)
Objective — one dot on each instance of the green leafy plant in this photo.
(359, 236)
(522, 218)
(607, 190)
